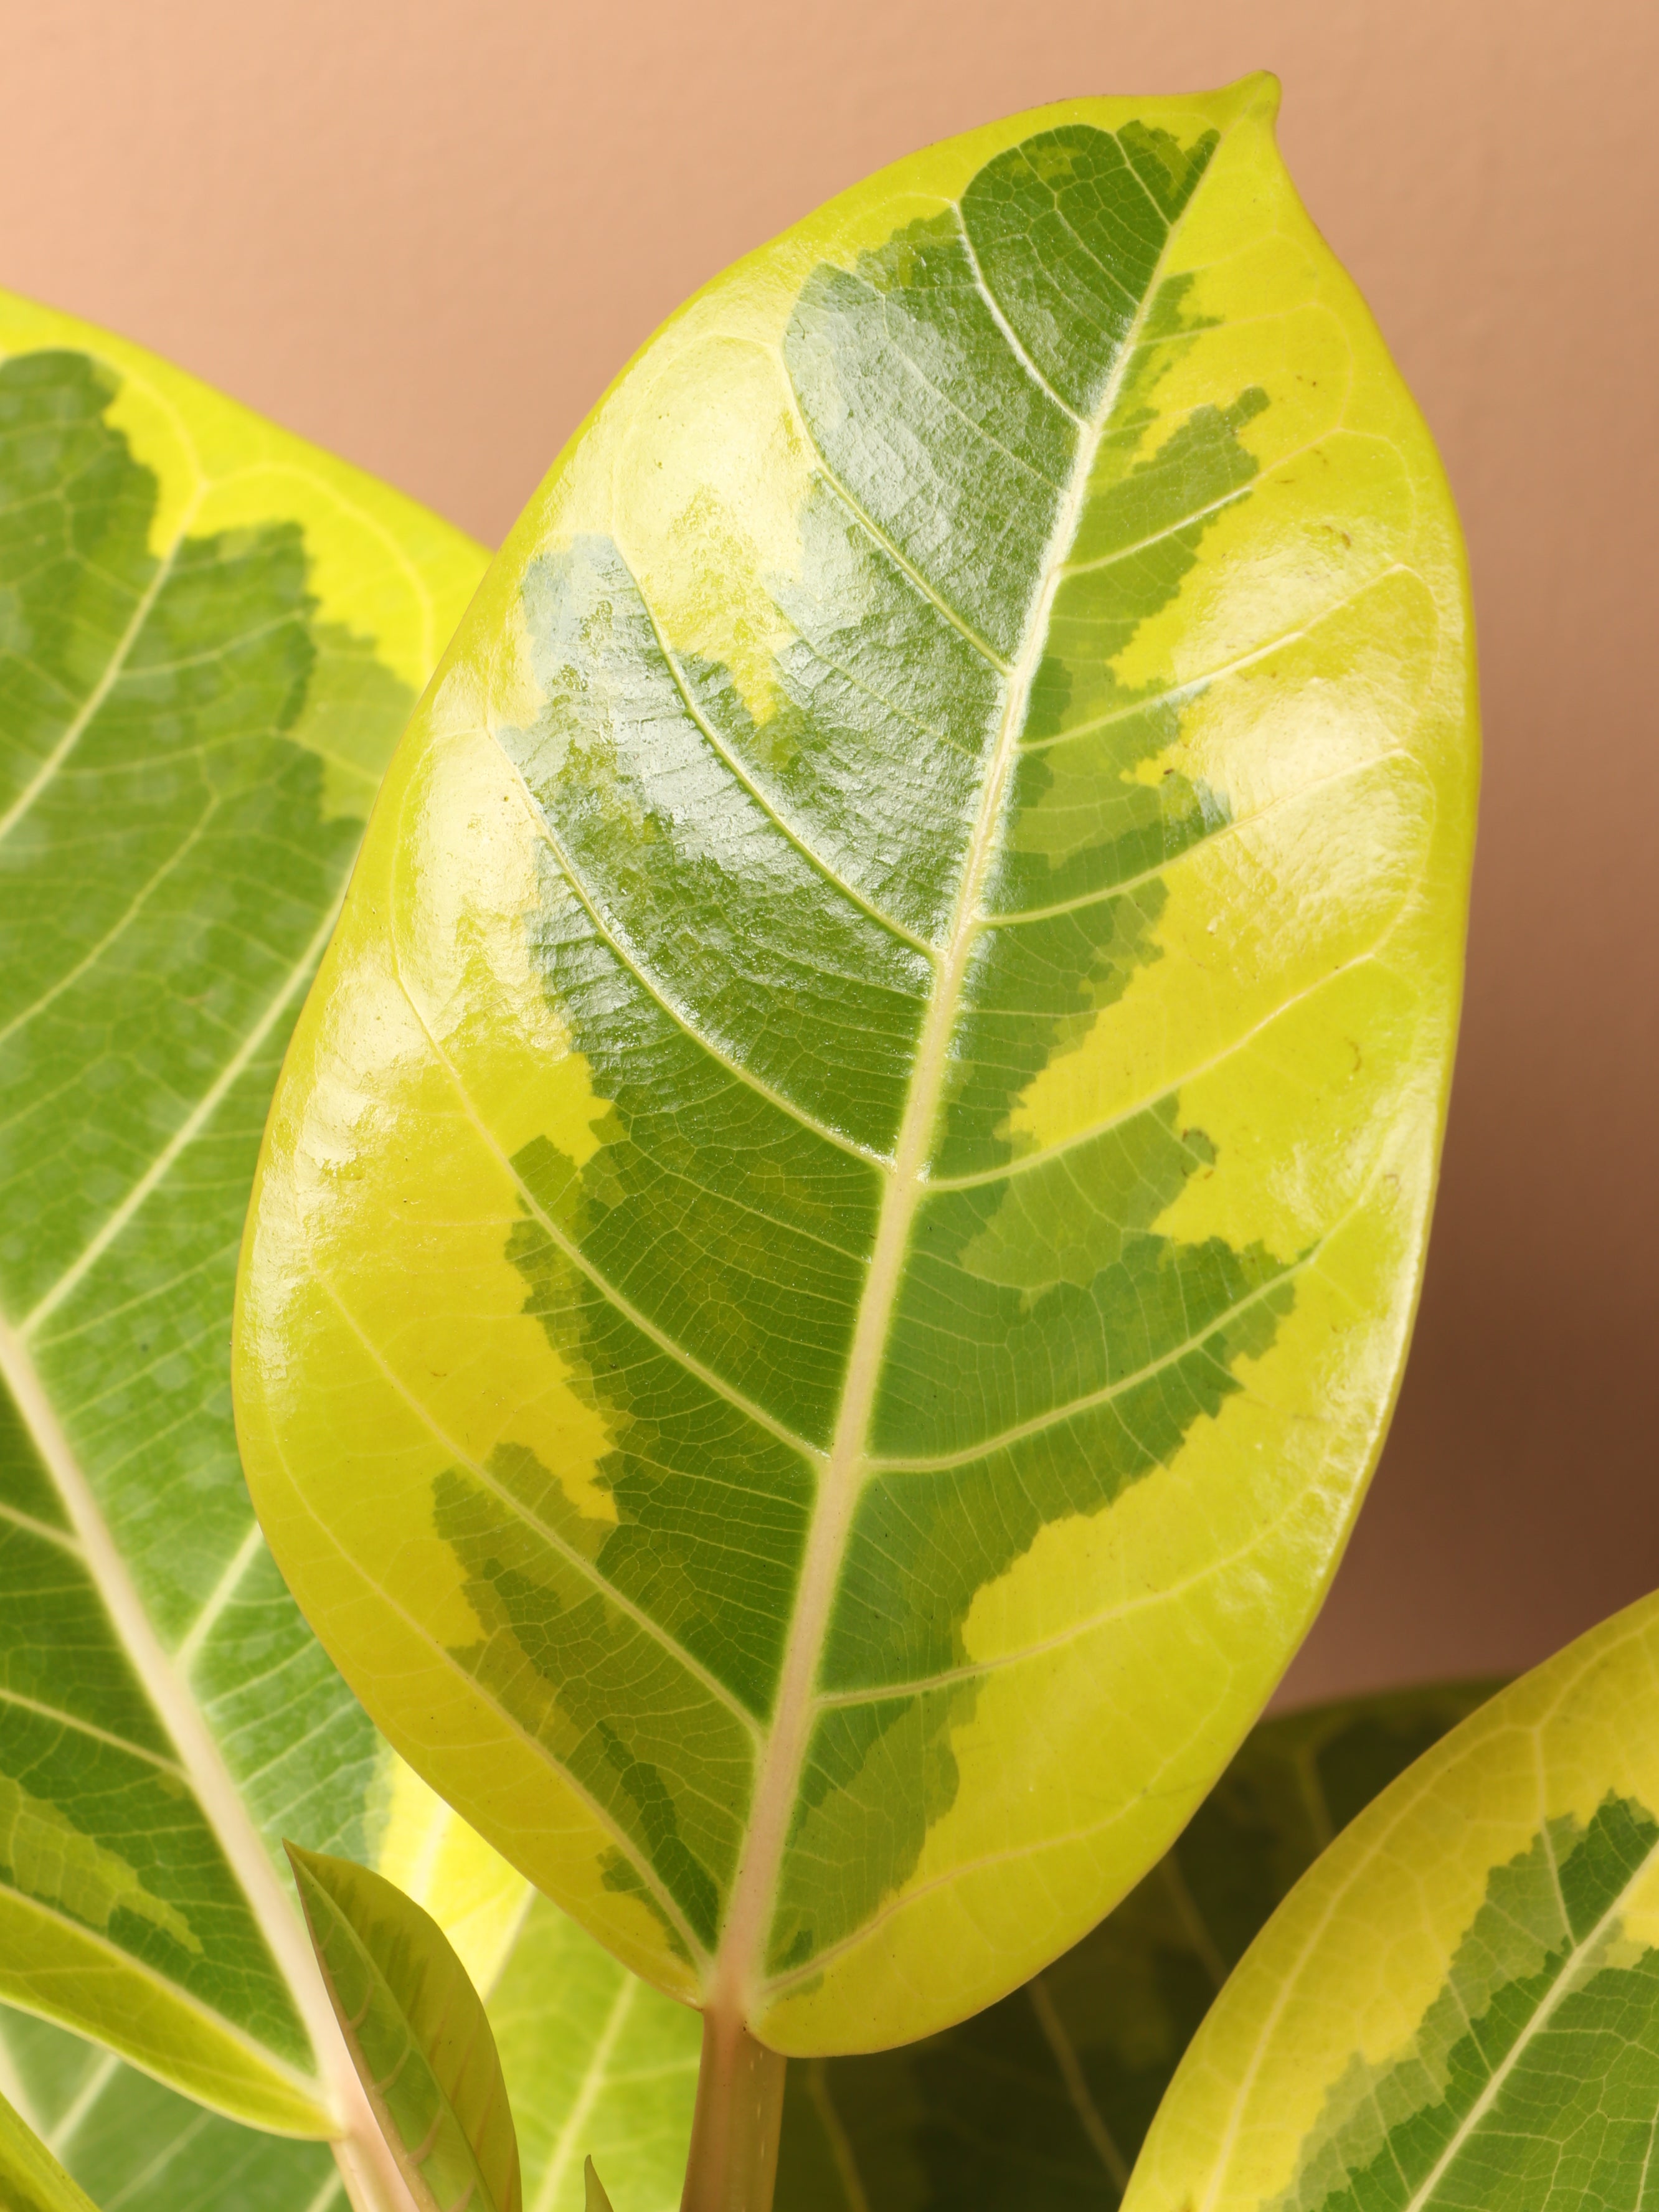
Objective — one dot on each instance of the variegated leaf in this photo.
(417, 2033)
(1457, 2009)
(209, 637)
(836, 1242)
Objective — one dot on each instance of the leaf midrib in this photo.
(211, 1783)
(739, 1962)
(1561, 1988)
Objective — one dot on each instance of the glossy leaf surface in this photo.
(1041, 2103)
(209, 635)
(31, 2179)
(418, 2036)
(1458, 2006)
(837, 1239)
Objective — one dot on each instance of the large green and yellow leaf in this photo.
(1040, 2104)
(839, 1231)
(209, 637)
(1458, 2006)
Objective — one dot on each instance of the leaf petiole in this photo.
(734, 2161)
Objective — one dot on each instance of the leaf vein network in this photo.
(629, 960)
(745, 777)
(573, 1558)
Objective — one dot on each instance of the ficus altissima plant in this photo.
(860, 1097)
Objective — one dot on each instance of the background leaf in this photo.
(853, 1184)
(209, 635)
(417, 2034)
(1458, 2006)
(597, 2063)
(132, 2145)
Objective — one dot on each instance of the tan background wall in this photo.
(428, 233)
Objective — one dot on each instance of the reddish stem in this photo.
(733, 2162)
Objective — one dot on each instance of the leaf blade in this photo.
(877, 1189)
(127, 2141)
(30, 2175)
(417, 2033)
(597, 2063)
(212, 634)
(1455, 2005)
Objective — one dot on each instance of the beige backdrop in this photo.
(428, 233)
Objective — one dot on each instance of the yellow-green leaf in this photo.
(597, 2062)
(31, 2179)
(1458, 2007)
(418, 2036)
(836, 1241)
(133, 2145)
(210, 635)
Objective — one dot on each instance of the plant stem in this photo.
(373, 2181)
(734, 2134)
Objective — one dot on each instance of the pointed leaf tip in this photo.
(417, 2033)
(597, 2199)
